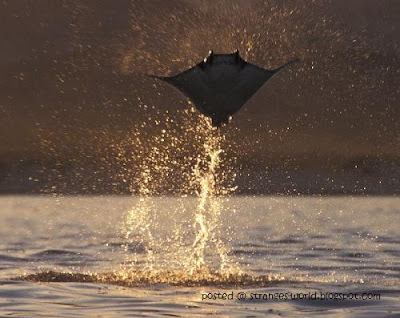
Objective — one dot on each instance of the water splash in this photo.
(195, 247)
(138, 227)
(208, 180)
(138, 219)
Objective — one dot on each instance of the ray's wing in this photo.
(190, 83)
(251, 79)
(285, 65)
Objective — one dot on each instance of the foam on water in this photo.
(152, 277)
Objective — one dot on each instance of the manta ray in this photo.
(221, 84)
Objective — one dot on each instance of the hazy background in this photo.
(71, 87)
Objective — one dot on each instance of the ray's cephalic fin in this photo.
(207, 61)
(238, 59)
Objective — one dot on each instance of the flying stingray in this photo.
(221, 84)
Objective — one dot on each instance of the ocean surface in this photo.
(121, 256)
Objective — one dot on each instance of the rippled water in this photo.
(71, 256)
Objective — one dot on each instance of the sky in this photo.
(72, 80)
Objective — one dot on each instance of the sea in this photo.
(180, 256)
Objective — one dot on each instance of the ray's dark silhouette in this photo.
(221, 84)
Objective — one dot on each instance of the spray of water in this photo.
(193, 248)
(207, 178)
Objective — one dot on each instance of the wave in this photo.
(51, 253)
